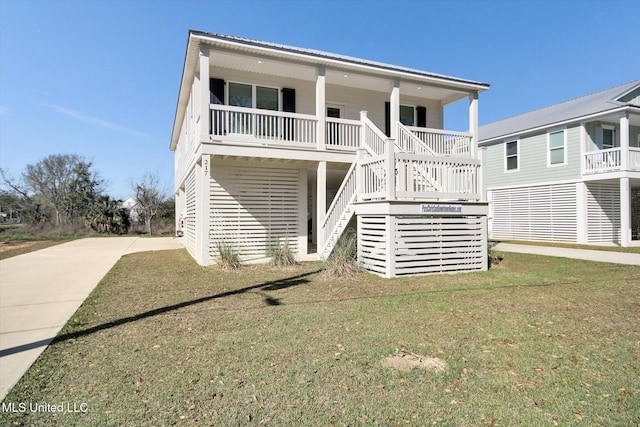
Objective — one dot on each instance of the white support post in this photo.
(625, 212)
(360, 155)
(321, 199)
(582, 224)
(473, 122)
(203, 178)
(482, 154)
(363, 134)
(205, 97)
(394, 109)
(485, 244)
(302, 231)
(624, 141)
(314, 211)
(390, 169)
(321, 109)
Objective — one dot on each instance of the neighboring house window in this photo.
(511, 155)
(407, 115)
(557, 148)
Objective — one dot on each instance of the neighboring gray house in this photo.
(569, 172)
(281, 145)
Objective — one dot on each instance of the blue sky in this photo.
(100, 78)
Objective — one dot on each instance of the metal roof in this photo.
(334, 57)
(574, 109)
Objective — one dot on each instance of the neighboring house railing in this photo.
(611, 160)
(634, 159)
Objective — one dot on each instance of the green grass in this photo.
(162, 341)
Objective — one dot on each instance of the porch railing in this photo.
(420, 177)
(634, 158)
(267, 126)
(343, 134)
(444, 142)
(611, 159)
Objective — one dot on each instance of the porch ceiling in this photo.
(335, 75)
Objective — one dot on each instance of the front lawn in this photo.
(162, 341)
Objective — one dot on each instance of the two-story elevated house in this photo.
(280, 145)
(569, 172)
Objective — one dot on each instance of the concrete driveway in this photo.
(586, 254)
(41, 290)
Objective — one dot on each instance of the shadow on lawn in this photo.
(274, 285)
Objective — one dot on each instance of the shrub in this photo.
(342, 263)
(282, 256)
(494, 259)
(228, 256)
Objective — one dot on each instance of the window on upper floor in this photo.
(557, 148)
(243, 95)
(608, 137)
(511, 161)
(407, 115)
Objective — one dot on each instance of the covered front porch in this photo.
(611, 144)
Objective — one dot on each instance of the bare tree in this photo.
(150, 194)
(63, 182)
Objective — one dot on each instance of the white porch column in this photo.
(391, 168)
(394, 109)
(624, 141)
(314, 211)
(473, 122)
(625, 212)
(303, 230)
(582, 215)
(203, 178)
(321, 108)
(321, 199)
(205, 97)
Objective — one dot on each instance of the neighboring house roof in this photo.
(610, 99)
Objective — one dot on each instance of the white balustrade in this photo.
(444, 142)
(343, 134)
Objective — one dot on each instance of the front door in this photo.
(333, 128)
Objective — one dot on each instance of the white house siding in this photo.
(253, 209)
(533, 163)
(439, 244)
(353, 99)
(603, 212)
(544, 212)
(305, 90)
(190, 213)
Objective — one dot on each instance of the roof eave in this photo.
(556, 124)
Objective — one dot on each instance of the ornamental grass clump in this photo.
(228, 256)
(342, 263)
(282, 256)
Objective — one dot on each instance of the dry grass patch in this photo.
(163, 341)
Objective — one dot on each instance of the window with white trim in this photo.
(407, 115)
(557, 148)
(511, 156)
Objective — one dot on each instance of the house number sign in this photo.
(439, 208)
